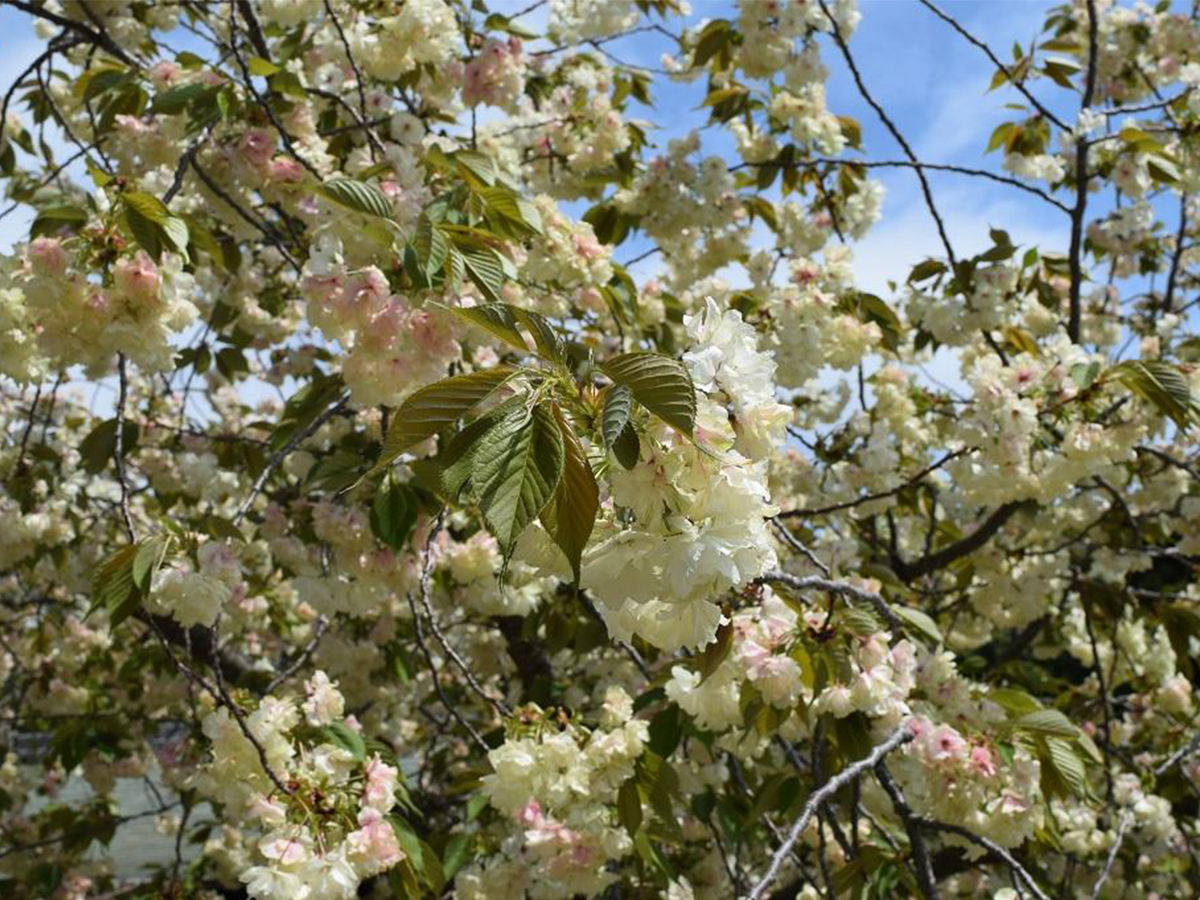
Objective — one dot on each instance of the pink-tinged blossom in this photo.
(495, 75)
(137, 279)
(286, 170)
(379, 791)
(983, 761)
(47, 256)
(944, 744)
(286, 851)
(374, 842)
(164, 74)
(257, 146)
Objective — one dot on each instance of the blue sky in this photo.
(930, 80)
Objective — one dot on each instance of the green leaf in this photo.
(517, 467)
(456, 854)
(515, 212)
(659, 383)
(478, 170)
(1084, 374)
(52, 219)
(485, 268)
(113, 587)
(176, 232)
(505, 321)
(546, 339)
(101, 81)
(98, 447)
(358, 196)
(1162, 169)
(409, 843)
(712, 40)
(430, 246)
(455, 269)
(259, 66)
(435, 407)
(1162, 385)
(457, 459)
(496, 319)
(1066, 764)
(717, 650)
(1047, 721)
(1060, 71)
(149, 558)
(304, 406)
(723, 94)
(1021, 339)
(629, 806)
(394, 514)
(923, 271)
(336, 472)
(618, 404)
(921, 623)
(145, 232)
(148, 205)
(571, 515)
(215, 526)
(666, 731)
(175, 100)
(1015, 701)
(342, 735)
(498, 22)
(627, 448)
(1139, 140)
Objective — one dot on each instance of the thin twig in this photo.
(295, 441)
(1018, 84)
(845, 589)
(1075, 254)
(119, 448)
(912, 825)
(1122, 829)
(301, 658)
(900, 736)
(496, 703)
(419, 633)
(799, 546)
(992, 847)
(836, 507)
(1178, 756)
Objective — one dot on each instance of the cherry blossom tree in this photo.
(432, 481)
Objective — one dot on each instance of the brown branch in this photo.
(910, 571)
(1177, 255)
(533, 665)
(119, 448)
(917, 165)
(900, 736)
(293, 442)
(848, 504)
(1075, 253)
(913, 826)
(99, 38)
(842, 588)
(1018, 84)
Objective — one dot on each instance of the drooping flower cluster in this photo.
(393, 346)
(558, 785)
(50, 299)
(285, 551)
(325, 826)
(699, 508)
